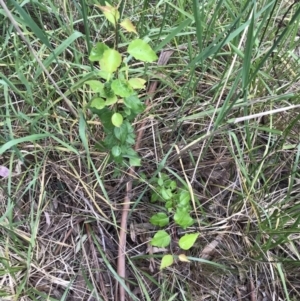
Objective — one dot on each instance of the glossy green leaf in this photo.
(97, 103)
(166, 193)
(116, 151)
(137, 83)
(142, 51)
(187, 241)
(111, 100)
(166, 261)
(110, 61)
(97, 52)
(121, 88)
(117, 119)
(96, 85)
(184, 198)
(159, 219)
(161, 239)
(183, 218)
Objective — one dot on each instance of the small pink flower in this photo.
(4, 171)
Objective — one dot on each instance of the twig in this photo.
(163, 59)
(67, 101)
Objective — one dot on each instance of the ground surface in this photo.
(62, 204)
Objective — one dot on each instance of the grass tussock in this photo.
(224, 120)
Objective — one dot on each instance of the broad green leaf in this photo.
(183, 258)
(116, 151)
(134, 103)
(184, 198)
(127, 25)
(96, 85)
(108, 91)
(111, 13)
(117, 119)
(137, 83)
(187, 241)
(105, 116)
(160, 181)
(183, 218)
(169, 205)
(98, 103)
(166, 193)
(161, 239)
(121, 132)
(121, 88)
(111, 100)
(105, 75)
(97, 52)
(159, 219)
(110, 61)
(154, 197)
(166, 261)
(135, 161)
(140, 50)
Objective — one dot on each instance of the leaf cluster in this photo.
(115, 99)
(177, 203)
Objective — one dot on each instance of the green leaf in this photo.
(116, 151)
(187, 241)
(140, 50)
(169, 205)
(105, 116)
(105, 75)
(137, 83)
(97, 103)
(172, 185)
(134, 103)
(161, 239)
(166, 193)
(111, 13)
(154, 197)
(184, 199)
(166, 261)
(111, 100)
(97, 52)
(160, 181)
(110, 61)
(117, 119)
(96, 85)
(108, 91)
(135, 161)
(183, 218)
(121, 88)
(121, 132)
(159, 219)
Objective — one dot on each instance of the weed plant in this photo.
(222, 128)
